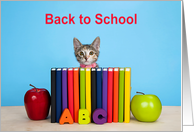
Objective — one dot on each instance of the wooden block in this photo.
(83, 116)
(99, 116)
(66, 117)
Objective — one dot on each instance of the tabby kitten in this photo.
(87, 55)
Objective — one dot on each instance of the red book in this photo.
(70, 90)
(76, 93)
(110, 95)
(115, 94)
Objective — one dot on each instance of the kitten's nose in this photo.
(86, 58)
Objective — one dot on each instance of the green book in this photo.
(82, 88)
(121, 93)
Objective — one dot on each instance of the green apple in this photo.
(146, 108)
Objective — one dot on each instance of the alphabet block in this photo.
(99, 116)
(66, 117)
(84, 116)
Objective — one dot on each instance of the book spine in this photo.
(53, 95)
(88, 90)
(58, 95)
(121, 94)
(110, 93)
(64, 88)
(99, 87)
(82, 88)
(115, 94)
(104, 89)
(93, 90)
(70, 91)
(127, 95)
(76, 93)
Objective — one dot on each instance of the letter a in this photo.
(66, 117)
(83, 116)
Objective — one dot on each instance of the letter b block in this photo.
(83, 116)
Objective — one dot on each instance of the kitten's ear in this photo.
(76, 43)
(96, 43)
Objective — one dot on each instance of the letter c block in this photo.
(83, 116)
(99, 116)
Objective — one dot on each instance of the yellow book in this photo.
(88, 90)
(127, 94)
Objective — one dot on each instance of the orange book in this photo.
(115, 94)
(76, 93)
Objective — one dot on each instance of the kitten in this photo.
(87, 55)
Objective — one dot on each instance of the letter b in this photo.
(83, 116)
(49, 17)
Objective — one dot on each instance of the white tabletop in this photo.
(14, 118)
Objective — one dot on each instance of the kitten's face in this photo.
(86, 54)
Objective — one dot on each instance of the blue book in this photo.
(99, 87)
(58, 94)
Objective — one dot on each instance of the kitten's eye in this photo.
(91, 53)
(81, 53)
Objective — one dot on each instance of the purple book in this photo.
(64, 88)
(104, 89)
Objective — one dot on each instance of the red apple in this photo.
(37, 103)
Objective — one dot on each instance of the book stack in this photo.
(91, 88)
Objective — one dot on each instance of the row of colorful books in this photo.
(91, 88)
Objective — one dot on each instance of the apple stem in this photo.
(140, 93)
(33, 86)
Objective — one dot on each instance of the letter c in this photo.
(97, 113)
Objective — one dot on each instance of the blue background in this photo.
(152, 47)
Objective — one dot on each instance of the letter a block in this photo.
(66, 117)
(83, 116)
(99, 116)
